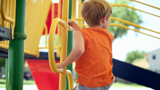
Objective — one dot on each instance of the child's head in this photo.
(94, 10)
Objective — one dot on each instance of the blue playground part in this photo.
(136, 74)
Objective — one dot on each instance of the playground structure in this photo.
(34, 21)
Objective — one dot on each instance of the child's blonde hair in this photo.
(93, 10)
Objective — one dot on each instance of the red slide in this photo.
(44, 78)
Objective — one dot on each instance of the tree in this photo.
(134, 55)
(125, 14)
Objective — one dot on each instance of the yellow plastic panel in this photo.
(36, 15)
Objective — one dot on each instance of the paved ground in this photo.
(34, 87)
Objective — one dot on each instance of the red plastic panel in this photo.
(44, 78)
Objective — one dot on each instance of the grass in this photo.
(2, 83)
(25, 82)
(116, 84)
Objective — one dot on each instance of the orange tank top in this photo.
(94, 67)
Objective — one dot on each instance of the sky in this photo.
(136, 41)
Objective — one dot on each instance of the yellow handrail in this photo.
(127, 22)
(125, 27)
(124, 5)
(80, 23)
(63, 72)
(46, 33)
(74, 10)
(8, 16)
(52, 11)
(130, 23)
(59, 28)
(146, 4)
(9, 19)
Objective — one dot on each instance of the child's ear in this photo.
(104, 19)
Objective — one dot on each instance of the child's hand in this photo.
(70, 22)
(73, 25)
(59, 65)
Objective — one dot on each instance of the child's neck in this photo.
(97, 26)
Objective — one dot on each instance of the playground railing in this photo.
(51, 56)
(146, 4)
(80, 19)
(127, 28)
(7, 18)
(58, 47)
(36, 16)
(124, 5)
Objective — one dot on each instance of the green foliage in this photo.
(2, 62)
(134, 55)
(125, 14)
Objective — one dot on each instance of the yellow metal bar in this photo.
(58, 42)
(59, 28)
(51, 48)
(119, 25)
(70, 79)
(56, 47)
(30, 52)
(146, 4)
(3, 45)
(8, 14)
(59, 9)
(136, 25)
(52, 11)
(3, 13)
(80, 19)
(43, 47)
(80, 23)
(55, 22)
(125, 27)
(46, 33)
(74, 10)
(64, 44)
(124, 5)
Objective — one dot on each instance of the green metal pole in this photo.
(69, 44)
(16, 50)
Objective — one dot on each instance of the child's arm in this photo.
(78, 49)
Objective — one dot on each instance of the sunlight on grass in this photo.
(28, 82)
(117, 84)
(25, 82)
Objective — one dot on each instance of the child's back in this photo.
(94, 67)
